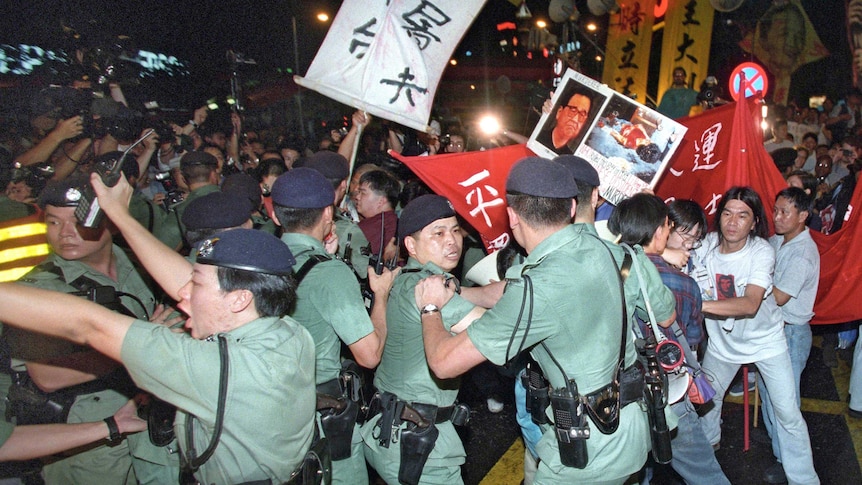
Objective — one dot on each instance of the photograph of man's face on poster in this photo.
(628, 143)
(570, 118)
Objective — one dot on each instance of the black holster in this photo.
(390, 416)
(416, 445)
(30, 405)
(159, 416)
(538, 393)
(316, 467)
(338, 426)
(571, 426)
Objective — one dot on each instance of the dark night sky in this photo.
(201, 31)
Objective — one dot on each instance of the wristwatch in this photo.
(114, 435)
(429, 308)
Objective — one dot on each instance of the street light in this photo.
(322, 17)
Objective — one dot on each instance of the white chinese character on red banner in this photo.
(499, 243)
(479, 195)
(706, 149)
(712, 206)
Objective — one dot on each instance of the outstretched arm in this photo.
(66, 316)
(28, 442)
(165, 265)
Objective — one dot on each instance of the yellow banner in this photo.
(686, 42)
(627, 54)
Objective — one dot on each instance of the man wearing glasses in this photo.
(571, 119)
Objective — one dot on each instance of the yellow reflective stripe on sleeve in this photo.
(22, 230)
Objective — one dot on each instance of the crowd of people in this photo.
(277, 313)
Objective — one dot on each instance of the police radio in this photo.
(88, 211)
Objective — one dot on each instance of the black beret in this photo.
(216, 210)
(198, 158)
(64, 193)
(332, 165)
(302, 188)
(421, 211)
(247, 249)
(541, 177)
(582, 170)
(243, 185)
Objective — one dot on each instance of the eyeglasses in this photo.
(574, 111)
(689, 241)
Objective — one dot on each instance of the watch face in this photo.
(430, 308)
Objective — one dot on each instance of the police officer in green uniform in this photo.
(242, 379)
(661, 298)
(329, 304)
(201, 172)
(433, 239)
(352, 243)
(564, 302)
(212, 213)
(245, 186)
(81, 260)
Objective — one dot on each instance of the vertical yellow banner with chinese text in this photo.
(686, 42)
(628, 47)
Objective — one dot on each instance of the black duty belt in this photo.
(331, 387)
(459, 414)
(434, 413)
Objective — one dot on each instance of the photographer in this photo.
(55, 145)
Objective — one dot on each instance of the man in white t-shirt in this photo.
(734, 270)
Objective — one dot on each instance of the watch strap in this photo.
(114, 435)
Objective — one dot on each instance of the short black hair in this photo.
(636, 219)
(270, 166)
(809, 182)
(382, 182)
(273, 294)
(801, 200)
(750, 198)
(686, 214)
(293, 219)
(540, 211)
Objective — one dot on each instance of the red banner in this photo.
(475, 183)
(722, 148)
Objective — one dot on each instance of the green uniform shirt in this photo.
(173, 230)
(403, 369)
(12, 209)
(6, 429)
(147, 213)
(328, 304)
(345, 226)
(270, 405)
(575, 310)
(102, 464)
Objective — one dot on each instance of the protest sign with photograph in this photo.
(628, 144)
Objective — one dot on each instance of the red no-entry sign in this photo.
(755, 76)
